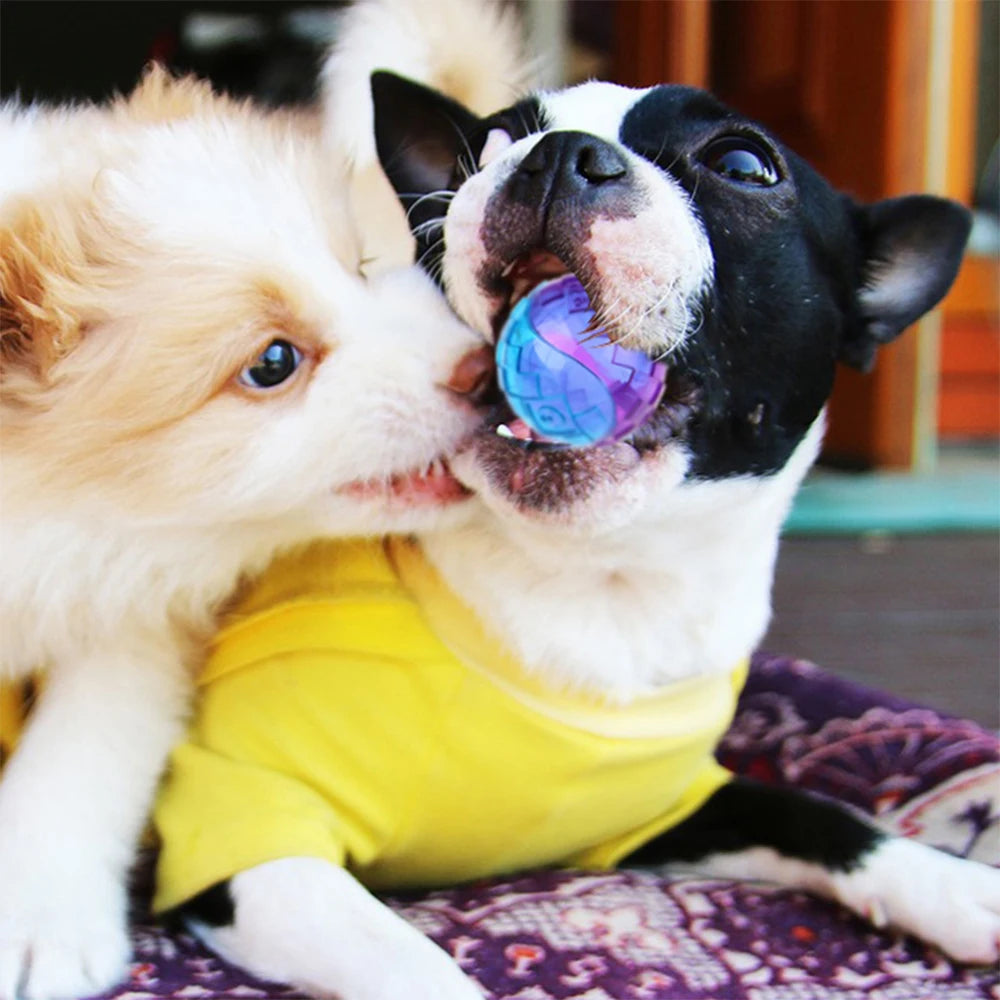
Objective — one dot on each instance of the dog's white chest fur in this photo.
(631, 610)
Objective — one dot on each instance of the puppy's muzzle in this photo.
(568, 165)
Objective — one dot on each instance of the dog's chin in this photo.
(576, 489)
(550, 481)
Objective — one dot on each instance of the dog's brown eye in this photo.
(740, 159)
(274, 365)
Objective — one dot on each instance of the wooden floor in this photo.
(918, 615)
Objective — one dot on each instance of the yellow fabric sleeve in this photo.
(217, 817)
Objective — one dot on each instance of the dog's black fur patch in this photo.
(744, 814)
(214, 907)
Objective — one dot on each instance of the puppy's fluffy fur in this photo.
(194, 376)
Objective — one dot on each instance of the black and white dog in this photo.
(622, 570)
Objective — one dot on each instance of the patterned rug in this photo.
(633, 936)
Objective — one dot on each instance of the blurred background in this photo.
(890, 571)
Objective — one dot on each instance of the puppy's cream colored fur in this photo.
(152, 250)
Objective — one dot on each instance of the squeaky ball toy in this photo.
(566, 380)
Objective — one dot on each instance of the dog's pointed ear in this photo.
(912, 248)
(421, 135)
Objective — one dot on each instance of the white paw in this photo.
(949, 902)
(60, 938)
(305, 922)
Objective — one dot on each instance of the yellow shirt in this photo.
(355, 710)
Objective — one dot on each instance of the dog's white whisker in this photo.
(443, 195)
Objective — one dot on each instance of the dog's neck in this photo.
(626, 614)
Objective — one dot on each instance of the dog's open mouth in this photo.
(522, 275)
(433, 485)
(516, 280)
(513, 283)
(519, 461)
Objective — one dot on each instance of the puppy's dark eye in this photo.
(741, 159)
(274, 365)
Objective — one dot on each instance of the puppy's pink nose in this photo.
(473, 376)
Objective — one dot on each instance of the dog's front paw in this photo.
(306, 922)
(61, 937)
(949, 902)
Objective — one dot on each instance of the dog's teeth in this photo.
(505, 432)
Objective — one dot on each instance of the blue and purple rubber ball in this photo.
(567, 381)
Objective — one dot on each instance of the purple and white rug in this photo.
(558, 935)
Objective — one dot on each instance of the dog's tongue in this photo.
(518, 430)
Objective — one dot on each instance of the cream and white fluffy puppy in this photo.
(195, 375)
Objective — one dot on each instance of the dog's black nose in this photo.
(563, 164)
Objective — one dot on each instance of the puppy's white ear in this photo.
(912, 248)
(423, 138)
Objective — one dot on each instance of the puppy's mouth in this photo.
(432, 486)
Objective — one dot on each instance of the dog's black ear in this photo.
(420, 135)
(912, 249)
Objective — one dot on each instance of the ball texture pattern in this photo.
(569, 383)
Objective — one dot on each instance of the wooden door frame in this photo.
(659, 41)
